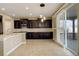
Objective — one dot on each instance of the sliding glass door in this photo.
(71, 25)
(60, 28)
(67, 28)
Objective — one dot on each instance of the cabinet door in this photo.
(39, 35)
(17, 24)
(48, 23)
(24, 23)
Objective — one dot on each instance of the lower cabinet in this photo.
(39, 35)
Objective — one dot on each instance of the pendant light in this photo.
(42, 17)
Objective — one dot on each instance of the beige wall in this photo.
(7, 29)
(54, 26)
(7, 24)
(77, 9)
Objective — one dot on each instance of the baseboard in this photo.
(23, 42)
(72, 52)
(13, 49)
(58, 43)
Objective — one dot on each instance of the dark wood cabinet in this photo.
(39, 24)
(25, 23)
(39, 35)
(17, 24)
(1, 25)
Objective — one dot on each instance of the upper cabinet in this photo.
(17, 24)
(39, 24)
(25, 23)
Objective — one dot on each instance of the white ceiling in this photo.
(19, 9)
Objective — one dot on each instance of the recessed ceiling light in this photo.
(13, 14)
(2, 9)
(26, 8)
(42, 5)
(30, 14)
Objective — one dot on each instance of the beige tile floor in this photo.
(1, 48)
(40, 48)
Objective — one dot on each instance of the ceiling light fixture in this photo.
(13, 15)
(27, 8)
(41, 16)
(30, 14)
(3, 9)
(42, 5)
(42, 20)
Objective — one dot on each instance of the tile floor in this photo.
(40, 48)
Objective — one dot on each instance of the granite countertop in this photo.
(33, 30)
(20, 32)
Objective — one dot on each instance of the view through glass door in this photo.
(71, 25)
